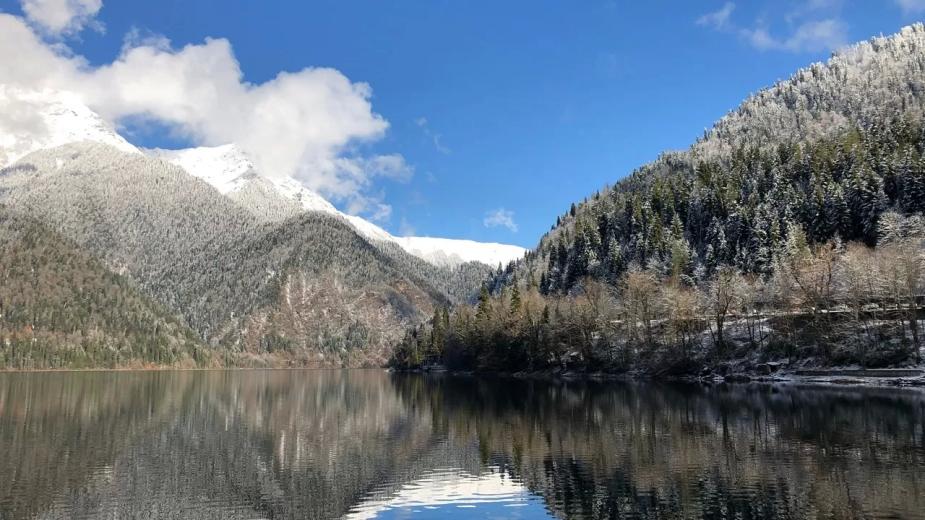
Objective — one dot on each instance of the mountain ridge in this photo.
(53, 118)
(58, 117)
(226, 272)
(276, 198)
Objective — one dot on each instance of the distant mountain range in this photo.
(261, 269)
(277, 198)
(61, 118)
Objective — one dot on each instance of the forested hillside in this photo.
(308, 290)
(60, 307)
(829, 150)
(774, 212)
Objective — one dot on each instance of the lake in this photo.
(364, 444)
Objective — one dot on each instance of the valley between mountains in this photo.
(790, 234)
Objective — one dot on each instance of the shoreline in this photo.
(171, 369)
(913, 378)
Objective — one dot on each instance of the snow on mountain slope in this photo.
(447, 252)
(233, 174)
(224, 167)
(229, 170)
(33, 120)
(450, 252)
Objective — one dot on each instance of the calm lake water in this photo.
(368, 444)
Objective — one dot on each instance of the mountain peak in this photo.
(225, 167)
(230, 170)
(232, 173)
(31, 120)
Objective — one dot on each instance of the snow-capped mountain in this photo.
(232, 173)
(450, 251)
(229, 170)
(33, 120)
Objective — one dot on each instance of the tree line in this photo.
(830, 302)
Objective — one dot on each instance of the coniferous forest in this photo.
(792, 232)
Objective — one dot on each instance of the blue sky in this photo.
(506, 112)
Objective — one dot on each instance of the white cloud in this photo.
(818, 36)
(911, 6)
(435, 138)
(380, 212)
(809, 35)
(759, 38)
(62, 17)
(718, 19)
(310, 124)
(500, 218)
(812, 36)
(806, 8)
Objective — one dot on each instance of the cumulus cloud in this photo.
(808, 35)
(62, 17)
(500, 218)
(310, 124)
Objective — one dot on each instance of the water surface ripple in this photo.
(364, 444)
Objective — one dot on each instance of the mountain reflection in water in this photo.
(368, 444)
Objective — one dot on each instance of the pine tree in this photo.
(912, 181)
(867, 201)
(484, 308)
(613, 261)
(516, 303)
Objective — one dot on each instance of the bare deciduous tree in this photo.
(639, 290)
(723, 295)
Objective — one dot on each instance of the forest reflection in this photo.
(365, 443)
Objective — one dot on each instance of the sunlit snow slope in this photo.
(230, 171)
(33, 120)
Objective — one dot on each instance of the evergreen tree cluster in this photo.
(696, 217)
(59, 307)
(829, 151)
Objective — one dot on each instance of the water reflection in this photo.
(442, 492)
(367, 444)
